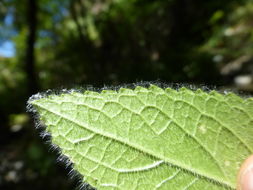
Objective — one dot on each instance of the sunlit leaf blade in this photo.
(151, 138)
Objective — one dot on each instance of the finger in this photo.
(245, 177)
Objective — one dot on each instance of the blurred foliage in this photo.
(99, 42)
(232, 43)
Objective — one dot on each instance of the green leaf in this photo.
(151, 138)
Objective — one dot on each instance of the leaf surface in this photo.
(151, 138)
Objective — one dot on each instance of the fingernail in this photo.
(246, 181)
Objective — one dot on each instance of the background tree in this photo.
(31, 39)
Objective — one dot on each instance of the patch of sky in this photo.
(7, 31)
(7, 49)
(8, 20)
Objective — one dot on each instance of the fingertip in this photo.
(245, 177)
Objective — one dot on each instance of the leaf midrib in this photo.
(139, 148)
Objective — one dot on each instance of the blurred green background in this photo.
(48, 44)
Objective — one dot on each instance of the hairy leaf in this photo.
(151, 138)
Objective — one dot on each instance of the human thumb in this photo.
(245, 177)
